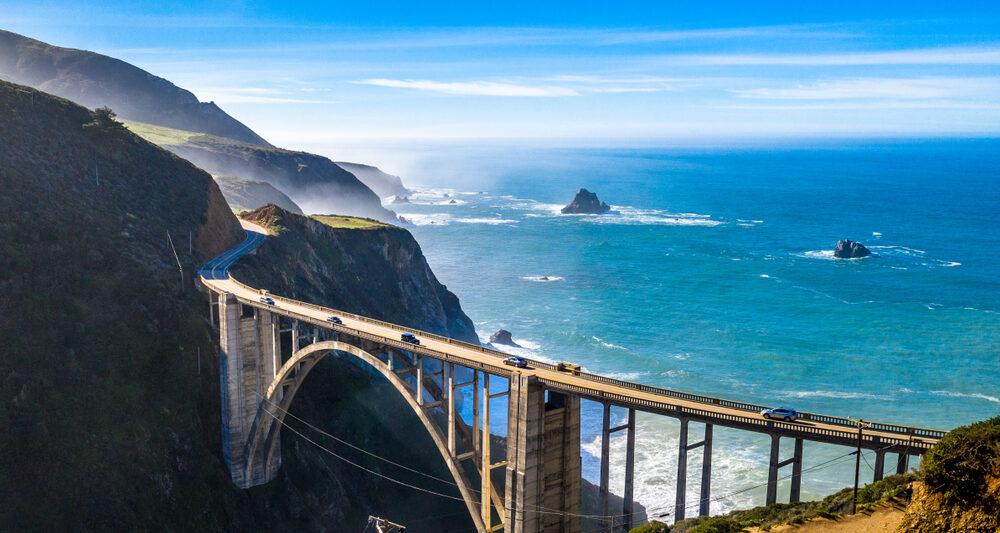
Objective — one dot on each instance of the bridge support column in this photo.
(879, 465)
(902, 462)
(247, 366)
(627, 507)
(706, 473)
(682, 464)
(543, 459)
(772, 471)
(605, 459)
(795, 491)
(680, 503)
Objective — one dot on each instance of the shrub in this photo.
(957, 467)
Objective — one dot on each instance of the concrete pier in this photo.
(249, 356)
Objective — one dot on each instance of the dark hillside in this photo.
(109, 383)
(102, 409)
(95, 80)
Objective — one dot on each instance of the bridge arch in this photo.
(265, 430)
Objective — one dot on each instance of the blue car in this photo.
(781, 413)
(266, 300)
(334, 319)
(408, 337)
(514, 360)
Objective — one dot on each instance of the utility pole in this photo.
(857, 464)
(178, 259)
(384, 526)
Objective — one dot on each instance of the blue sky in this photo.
(315, 74)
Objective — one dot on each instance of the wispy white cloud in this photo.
(879, 105)
(252, 95)
(570, 86)
(885, 88)
(925, 56)
(479, 88)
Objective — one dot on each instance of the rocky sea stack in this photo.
(848, 249)
(586, 202)
(503, 337)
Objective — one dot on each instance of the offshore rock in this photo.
(586, 202)
(400, 200)
(848, 249)
(503, 337)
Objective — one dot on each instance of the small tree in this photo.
(104, 122)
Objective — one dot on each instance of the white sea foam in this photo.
(608, 344)
(952, 264)
(836, 394)
(629, 216)
(627, 376)
(543, 279)
(954, 394)
(427, 219)
(819, 254)
(764, 276)
(490, 221)
(682, 356)
(898, 250)
(877, 234)
(656, 467)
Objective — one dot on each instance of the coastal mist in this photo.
(714, 274)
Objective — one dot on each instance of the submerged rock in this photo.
(503, 336)
(586, 202)
(848, 249)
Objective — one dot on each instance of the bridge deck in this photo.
(814, 427)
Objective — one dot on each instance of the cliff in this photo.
(246, 195)
(95, 80)
(377, 270)
(313, 182)
(381, 183)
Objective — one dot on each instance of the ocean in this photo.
(714, 274)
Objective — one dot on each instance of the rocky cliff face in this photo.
(381, 183)
(247, 195)
(95, 81)
(314, 182)
(378, 272)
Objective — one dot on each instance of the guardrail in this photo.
(501, 370)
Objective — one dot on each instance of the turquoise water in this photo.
(714, 275)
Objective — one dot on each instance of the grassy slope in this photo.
(349, 222)
(247, 195)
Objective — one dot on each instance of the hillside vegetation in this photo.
(95, 80)
(247, 195)
(313, 182)
(106, 422)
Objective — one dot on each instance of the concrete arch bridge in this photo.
(535, 486)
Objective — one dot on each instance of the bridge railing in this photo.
(749, 407)
(752, 423)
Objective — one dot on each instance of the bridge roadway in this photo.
(566, 383)
(729, 413)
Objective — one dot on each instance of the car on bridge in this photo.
(782, 413)
(334, 319)
(410, 338)
(267, 300)
(514, 360)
